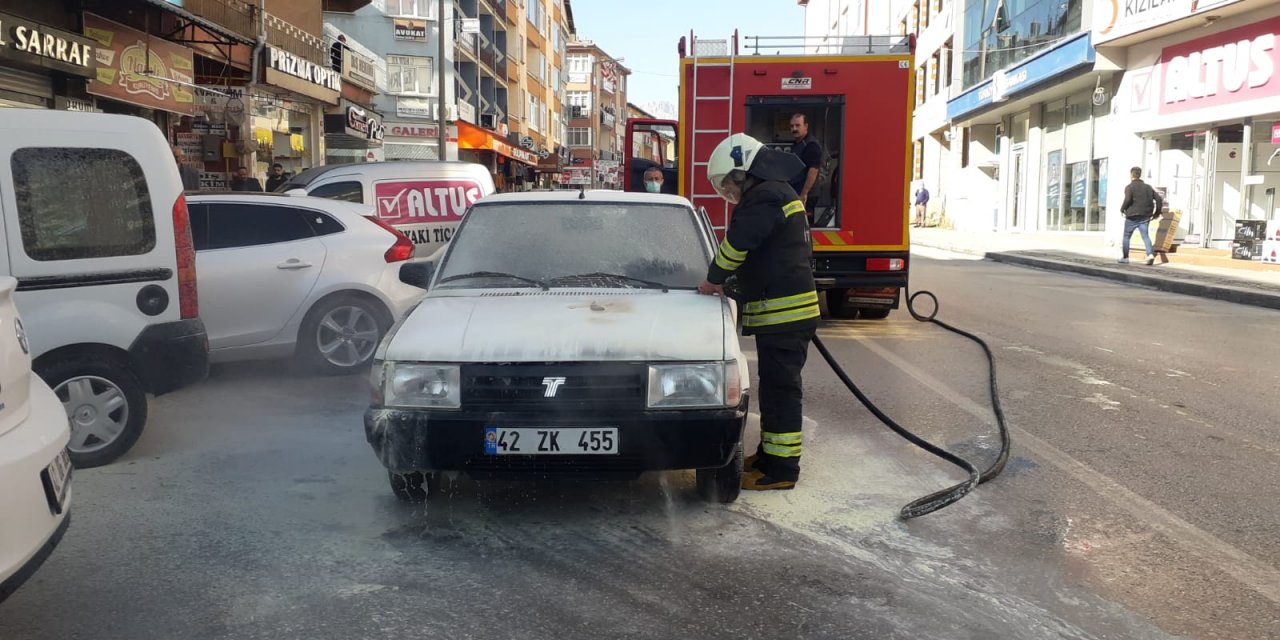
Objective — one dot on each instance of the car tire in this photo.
(340, 335)
(414, 486)
(106, 405)
(874, 314)
(838, 304)
(722, 485)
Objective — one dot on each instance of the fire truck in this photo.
(856, 93)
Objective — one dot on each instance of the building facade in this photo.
(597, 107)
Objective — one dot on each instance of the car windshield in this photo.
(577, 244)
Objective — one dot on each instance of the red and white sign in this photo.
(1275, 133)
(1118, 18)
(418, 201)
(1233, 66)
(411, 131)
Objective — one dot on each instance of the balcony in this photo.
(296, 41)
(607, 119)
(234, 15)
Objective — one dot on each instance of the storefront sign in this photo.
(1119, 18)
(192, 145)
(357, 122)
(35, 44)
(1073, 54)
(1233, 66)
(359, 70)
(291, 72)
(413, 131)
(213, 181)
(1053, 186)
(140, 69)
(407, 202)
(409, 29)
(1275, 133)
(1079, 178)
(415, 108)
(63, 103)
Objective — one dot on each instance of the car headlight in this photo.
(694, 386)
(436, 386)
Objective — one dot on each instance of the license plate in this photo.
(56, 479)
(550, 441)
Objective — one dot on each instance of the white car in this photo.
(562, 333)
(35, 471)
(300, 276)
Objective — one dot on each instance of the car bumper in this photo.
(29, 528)
(422, 440)
(171, 355)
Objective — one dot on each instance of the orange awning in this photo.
(473, 137)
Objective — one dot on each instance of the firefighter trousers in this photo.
(780, 358)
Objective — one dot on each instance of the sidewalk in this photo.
(1195, 272)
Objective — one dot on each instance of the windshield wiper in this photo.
(496, 274)
(600, 275)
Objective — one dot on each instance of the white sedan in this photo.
(35, 472)
(310, 277)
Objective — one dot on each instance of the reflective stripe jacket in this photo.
(767, 246)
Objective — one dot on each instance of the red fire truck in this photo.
(857, 94)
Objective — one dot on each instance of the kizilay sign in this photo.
(37, 44)
(286, 62)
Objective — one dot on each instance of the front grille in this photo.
(585, 386)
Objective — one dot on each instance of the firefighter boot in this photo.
(756, 480)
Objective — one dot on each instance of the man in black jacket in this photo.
(1141, 204)
(767, 246)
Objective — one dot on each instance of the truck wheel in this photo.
(838, 304)
(724, 484)
(414, 486)
(874, 314)
(105, 403)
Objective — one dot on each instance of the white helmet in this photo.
(735, 153)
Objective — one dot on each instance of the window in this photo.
(935, 62)
(534, 117)
(409, 75)
(580, 64)
(537, 15)
(322, 224)
(578, 137)
(537, 66)
(580, 99)
(114, 218)
(917, 160)
(225, 226)
(914, 18)
(998, 35)
(345, 191)
(920, 86)
(410, 8)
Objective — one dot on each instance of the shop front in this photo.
(414, 140)
(353, 133)
(508, 163)
(1035, 145)
(33, 56)
(287, 122)
(1201, 115)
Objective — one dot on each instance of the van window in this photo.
(248, 225)
(346, 191)
(81, 203)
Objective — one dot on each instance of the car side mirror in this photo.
(417, 274)
(296, 192)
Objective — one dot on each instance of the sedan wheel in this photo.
(340, 336)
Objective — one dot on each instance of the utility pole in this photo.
(440, 80)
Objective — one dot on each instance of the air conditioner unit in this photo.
(489, 121)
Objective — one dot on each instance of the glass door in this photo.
(1203, 166)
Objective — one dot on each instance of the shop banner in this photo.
(140, 69)
(1226, 68)
(39, 45)
(1053, 188)
(1079, 180)
(1119, 18)
(409, 29)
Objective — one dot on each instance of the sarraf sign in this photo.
(26, 42)
(140, 69)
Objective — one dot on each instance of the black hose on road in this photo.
(938, 499)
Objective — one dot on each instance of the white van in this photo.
(94, 226)
(424, 200)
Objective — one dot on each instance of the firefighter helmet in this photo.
(735, 153)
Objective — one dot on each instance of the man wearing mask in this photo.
(653, 180)
(767, 247)
(245, 182)
(276, 178)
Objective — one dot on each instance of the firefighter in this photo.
(767, 247)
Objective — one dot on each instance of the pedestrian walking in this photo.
(1141, 205)
(245, 182)
(767, 247)
(922, 205)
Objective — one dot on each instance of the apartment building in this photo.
(537, 94)
(597, 108)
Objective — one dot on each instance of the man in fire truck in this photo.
(767, 247)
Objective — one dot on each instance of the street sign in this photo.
(471, 25)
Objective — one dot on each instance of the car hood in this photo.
(562, 325)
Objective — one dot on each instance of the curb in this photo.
(1226, 293)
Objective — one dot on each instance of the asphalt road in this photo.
(1140, 502)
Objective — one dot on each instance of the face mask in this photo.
(653, 187)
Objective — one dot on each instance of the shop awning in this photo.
(207, 25)
(473, 137)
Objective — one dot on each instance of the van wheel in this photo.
(838, 304)
(414, 486)
(105, 403)
(340, 335)
(724, 484)
(874, 314)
